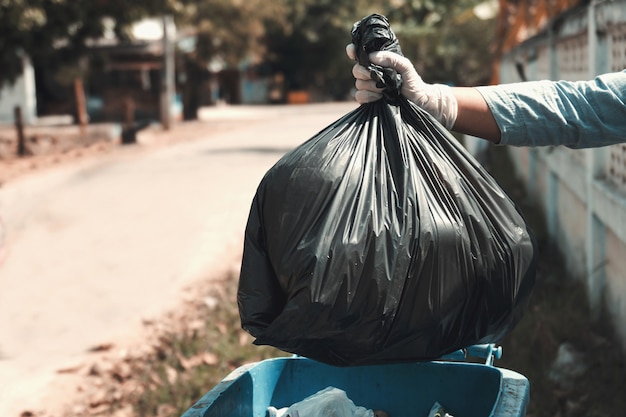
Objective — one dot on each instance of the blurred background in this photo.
(78, 72)
(111, 55)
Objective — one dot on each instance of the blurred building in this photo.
(125, 80)
(582, 192)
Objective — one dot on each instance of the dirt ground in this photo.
(47, 147)
(573, 360)
(93, 385)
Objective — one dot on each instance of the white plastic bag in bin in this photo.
(329, 402)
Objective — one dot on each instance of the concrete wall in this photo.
(583, 192)
(22, 93)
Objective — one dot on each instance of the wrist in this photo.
(474, 115)
(449, 106)
(439, 101)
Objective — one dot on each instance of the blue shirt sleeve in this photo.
(579, 114)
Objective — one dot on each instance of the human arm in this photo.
(539, 113)
(474, 117)
(579, 114)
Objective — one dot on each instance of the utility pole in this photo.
(19, 128)
(167, 72)
(81, 106)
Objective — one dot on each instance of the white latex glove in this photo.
(436, 99)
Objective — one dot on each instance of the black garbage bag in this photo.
(381, 239)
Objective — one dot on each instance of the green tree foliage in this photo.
(308, 46)
(444, 38)
(302, 39)
(56, 32)
(229, 30)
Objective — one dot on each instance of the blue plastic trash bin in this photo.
(465, 389)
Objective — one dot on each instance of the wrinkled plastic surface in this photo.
(329, 402)
(372, 34)
(381, 239)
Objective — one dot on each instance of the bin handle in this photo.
(488, 352)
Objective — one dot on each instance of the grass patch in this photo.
(189, 353)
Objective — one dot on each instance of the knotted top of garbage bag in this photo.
(373, 33)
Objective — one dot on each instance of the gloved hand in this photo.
(436, 99)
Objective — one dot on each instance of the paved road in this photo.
(97, 247)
